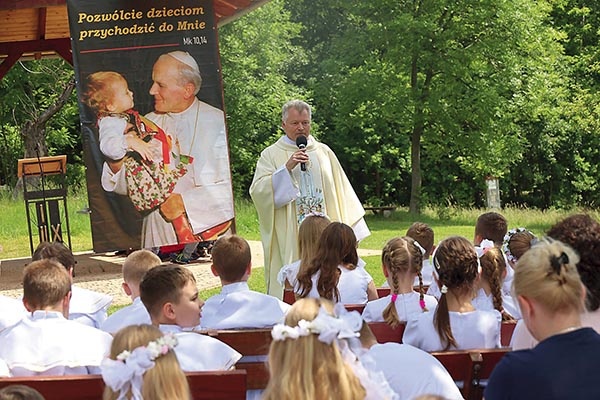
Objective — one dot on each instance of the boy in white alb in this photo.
(46, 342)
(411, 372)
(135, 266)
(170, 295)
(11, 312)
(237, 306)
(86, 307)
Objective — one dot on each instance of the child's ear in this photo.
(110, 107)
(169, 311)
(126, 288)
(214, 270)
(249, 269)
(26, 305)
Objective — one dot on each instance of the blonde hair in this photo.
(137, 263)
(306, 368)
(401, 255)
(165, 380)
(99, 91)
(548, 274)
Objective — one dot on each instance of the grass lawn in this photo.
(14, 236)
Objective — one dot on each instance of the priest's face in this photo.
(296, 124)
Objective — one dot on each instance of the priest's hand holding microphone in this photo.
(300, 156)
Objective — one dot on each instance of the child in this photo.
(401, 260)
(20, 392)
(582, 233)
(170, 295)
(135, 266)
(311, 359)
(489, 295)
(143, 365)
(237, 306)
(423, 234)
(418, 372)
(309, 233)
(149, 157)
(334, 272)
(46, 342)
(516, 242)
(455, 324)
(550, 295)
(86, 306)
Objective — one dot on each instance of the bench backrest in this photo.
(506, 331)
(248, 342)
(385, 333)
(217, 385)
(470, 367)
(289, 296)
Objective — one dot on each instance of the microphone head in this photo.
(301, 141)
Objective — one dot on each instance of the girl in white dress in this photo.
(402, 260)
(309, 234)
(455, 323)
(489, 295)
(334, 272)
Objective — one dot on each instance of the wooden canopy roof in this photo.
(33, 29)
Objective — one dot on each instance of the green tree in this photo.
(256, 55)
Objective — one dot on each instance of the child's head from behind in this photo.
(231, 258)
(170, 295)
(402, 259)
(337, 246)
(582, 233)
(492, 226)
(107, 91)
(516, 242)
(20, 392)
(456, 268)
(309, 234)
(56, 251)
(46, 284)
(307, 367)
(135, 266)
(163, 380)
(547, 274)
(423, 234)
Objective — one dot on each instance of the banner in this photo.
(151, 105)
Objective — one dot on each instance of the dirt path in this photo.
(102, 272)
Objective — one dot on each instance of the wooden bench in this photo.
(289, 296)
(215, 385)
(252, 343)
(470, 367)
(384, 333)
(506, 331)
(381, 209)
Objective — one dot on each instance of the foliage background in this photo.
(421, 101)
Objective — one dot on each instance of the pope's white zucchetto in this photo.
(186, 58)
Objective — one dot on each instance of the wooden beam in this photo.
(17, 4)
(15, 50)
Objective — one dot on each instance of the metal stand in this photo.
(45, 194)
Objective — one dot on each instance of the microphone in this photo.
(301, 143)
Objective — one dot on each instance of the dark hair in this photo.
(455, 262)
(231, 256)
(56, 251)
(162, 284)
(337, 246)
(492, 226)
(582, 233)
